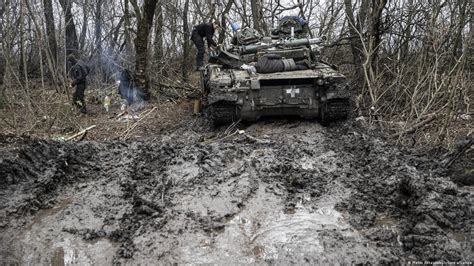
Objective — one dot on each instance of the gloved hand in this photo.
(250, 69)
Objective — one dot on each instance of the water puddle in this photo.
(460, 237)
(77, 252)
(263, 231)
(45, 243)
(385, 222)
(44, 213)
(297, 232)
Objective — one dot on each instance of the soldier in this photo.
(125, 89)
(299, 25)
(271, 63)
(78, 73)
(201, 31)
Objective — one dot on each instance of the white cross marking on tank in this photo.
(293, 91)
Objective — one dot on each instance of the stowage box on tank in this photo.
(308, 87)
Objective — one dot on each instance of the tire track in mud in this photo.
(181, 198)
(405, 198)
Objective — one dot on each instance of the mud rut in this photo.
(283, 192)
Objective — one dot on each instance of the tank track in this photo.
(335, 109)
(222, 113)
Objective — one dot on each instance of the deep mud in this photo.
(278, 192)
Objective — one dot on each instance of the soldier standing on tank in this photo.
(201, 31)
(78, 73)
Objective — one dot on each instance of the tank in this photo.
(233, 90)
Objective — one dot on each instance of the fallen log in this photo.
(80, 133)
(459, 149)
(414, 127)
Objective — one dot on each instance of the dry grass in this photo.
(51, 116)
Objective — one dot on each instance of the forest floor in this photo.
(170, 189)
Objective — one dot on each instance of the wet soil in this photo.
(275, 192)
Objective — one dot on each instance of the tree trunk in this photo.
(375, 34)
(173, 28)
(144, 23)
(50, 30)
(212, 10)
(223, 20)
(72, 43)
(185, 41)
(2, 46)
(404, 46)
(21, 20)
(356, 42)
(2, 54)
(457, 46)
(82, 36)
(470, 40)
(102, 65)
(126, 30)
(257, 16)
(158, 55)
(98, 27)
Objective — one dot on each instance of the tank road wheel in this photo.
(323, 113)
(334, 109)
(222, 113)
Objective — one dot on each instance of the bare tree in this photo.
(83, 34)
(224, 20)
(257, 16)
(186, 39)
(409, 59)
(158, 53)
(457, 44)
(355, 27)
(144, 24)
(72, 42)
(98, 26)
(50, 29)
(5, 4)
(375, 31)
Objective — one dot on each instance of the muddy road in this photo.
(274, 192)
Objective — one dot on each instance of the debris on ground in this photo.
(271, 192)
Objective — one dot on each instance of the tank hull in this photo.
(232, 95)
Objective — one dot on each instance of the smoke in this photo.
(114, 67)
(133, 96)
(138, 102)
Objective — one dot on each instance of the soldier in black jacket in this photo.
(78, 73)
(201, 31)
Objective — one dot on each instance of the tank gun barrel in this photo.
(249, 49)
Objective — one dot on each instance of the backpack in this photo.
(247, 36)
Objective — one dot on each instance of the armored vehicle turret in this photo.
(277, 75)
